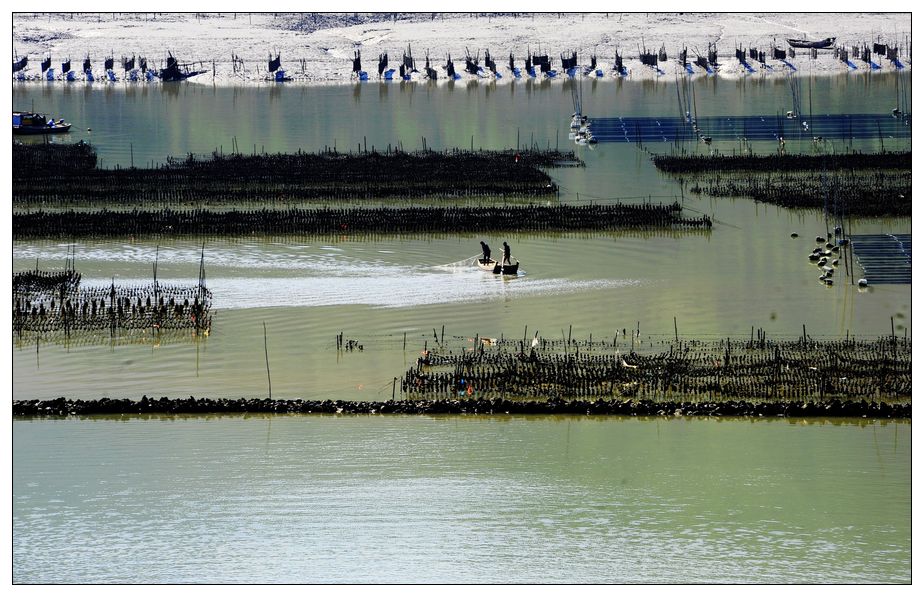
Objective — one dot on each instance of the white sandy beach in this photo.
(325, 55)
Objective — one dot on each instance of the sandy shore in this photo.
(321, 50)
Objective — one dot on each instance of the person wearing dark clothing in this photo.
(486, 250)
(506, 254)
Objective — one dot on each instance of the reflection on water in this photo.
(147, 123)
(460, 499)
(449, 499)
(746, 273)
(308, 291)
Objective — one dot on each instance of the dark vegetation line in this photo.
(767, 370)
(853, 184)
(62, 407)
(55, 302)
(531, 218)
(706, 164)
(66, 176)
(72, 198)
(865, 194)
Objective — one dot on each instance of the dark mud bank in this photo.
(813, 408)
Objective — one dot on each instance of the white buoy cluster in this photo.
(580, 130)
(826, 256)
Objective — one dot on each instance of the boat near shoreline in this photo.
(30, 123)
(818, 45)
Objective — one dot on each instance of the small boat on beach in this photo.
(29, 123)
(495, 267)
(819, 45)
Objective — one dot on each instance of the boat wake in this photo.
(412, 289)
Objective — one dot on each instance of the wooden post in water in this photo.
(269, 380)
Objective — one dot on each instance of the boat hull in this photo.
(818, 45)
(496, 267)
(41, 130)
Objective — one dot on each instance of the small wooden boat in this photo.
(28, 123)
(804, 43)
(495, 267)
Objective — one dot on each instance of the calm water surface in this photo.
(460, 499)
(457, 499)
(150, 122)
(747, 272)
(309, 290)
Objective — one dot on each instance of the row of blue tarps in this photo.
(633, 129)
(885, 258)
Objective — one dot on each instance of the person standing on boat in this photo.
(506, 253)
(486, 250)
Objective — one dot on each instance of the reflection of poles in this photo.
(63, 307)
(112, 321)
(269, 381)
(156, 321)
(200, 292)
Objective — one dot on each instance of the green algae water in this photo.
(307, 291)
(460, 499)
(391, 293)
(454, 499)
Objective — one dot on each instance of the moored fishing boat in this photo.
(29, 123)
(495, 267)
(805, 43)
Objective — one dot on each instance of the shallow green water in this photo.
(140, 123)
(747, 272)
(455, 499)
(460, 499)
(309, 290)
